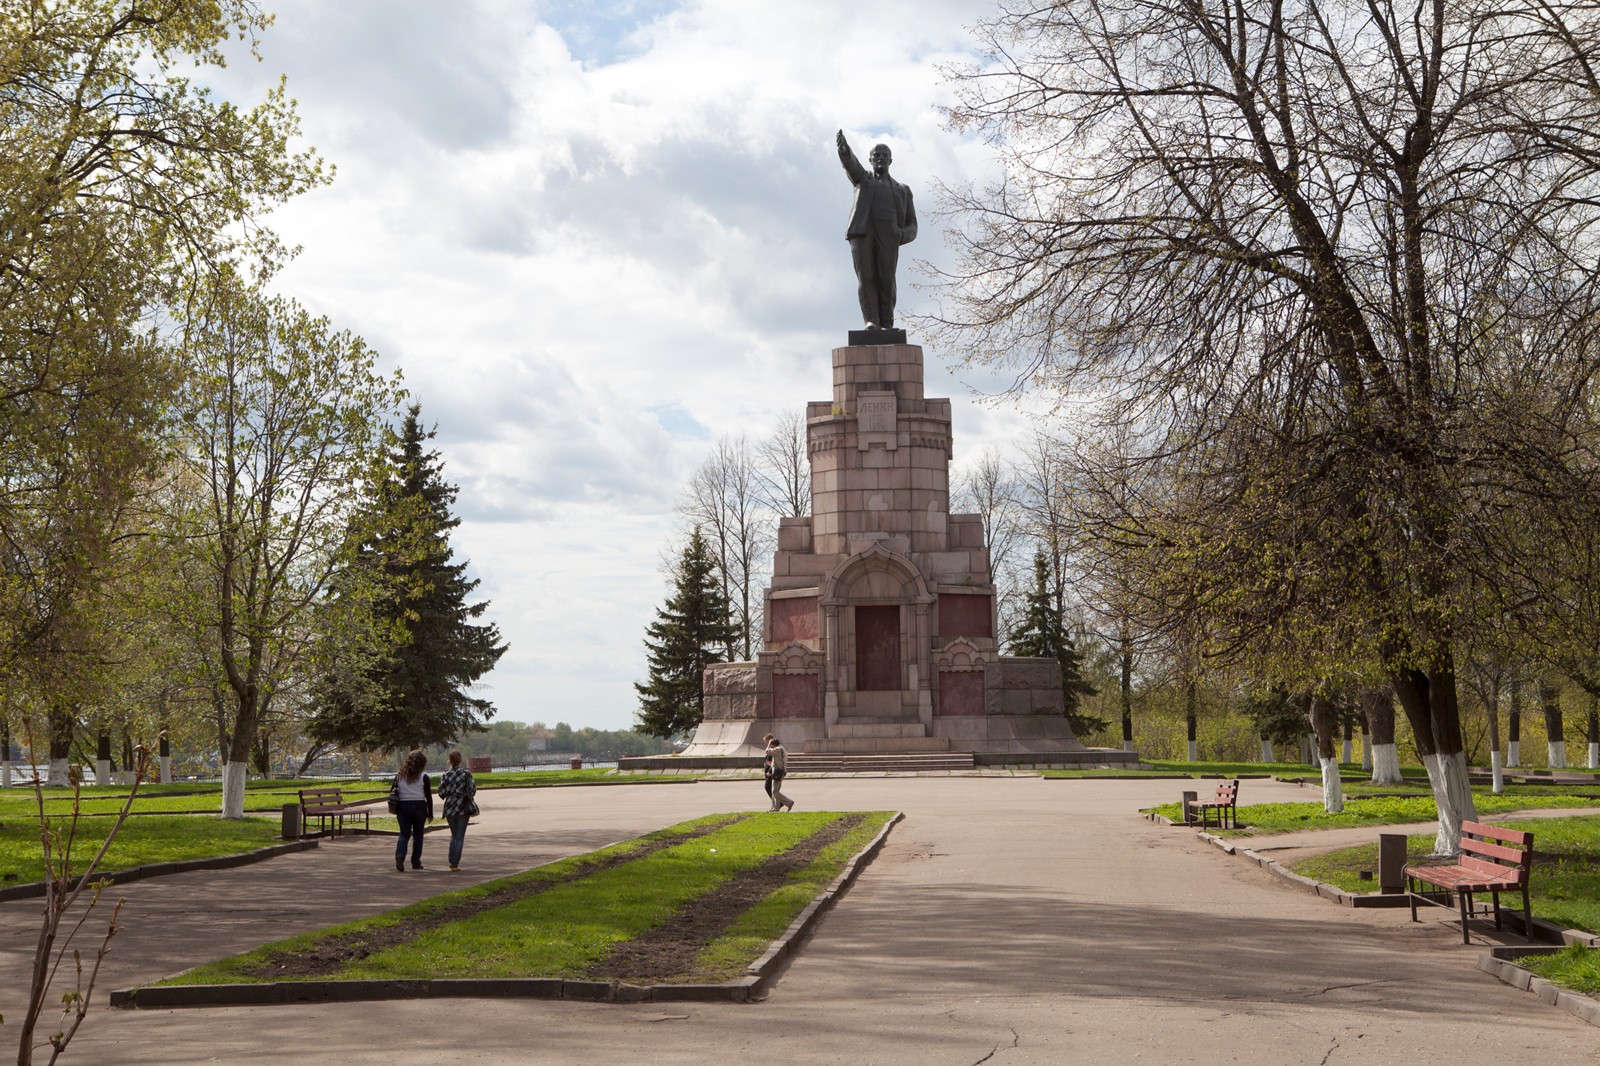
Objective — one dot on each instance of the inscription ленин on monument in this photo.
(876, 414)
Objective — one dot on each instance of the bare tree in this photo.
(783, 473)
(988, 487)
(1329, 268)
(724, 501)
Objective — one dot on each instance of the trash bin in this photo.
(577, 762)
(1391, 863)
(291, 821)
(1188, 811)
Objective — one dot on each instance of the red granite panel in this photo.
(794, 619)
(961, 692)
(795, 696)
(964, 615)
(877, 648)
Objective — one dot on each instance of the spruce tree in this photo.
(689, 633)
(1043, 634)
(436, 651)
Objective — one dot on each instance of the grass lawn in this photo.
(1390, 810)
(1564, 888)
(140, 842)
(268, 797)
(1576, 967)
(594, 916)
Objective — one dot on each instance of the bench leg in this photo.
(1495, 895)
(1411, 897)
(1465, 899)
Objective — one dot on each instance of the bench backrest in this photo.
(316, 798)
(1227, 793)
(1497, 852)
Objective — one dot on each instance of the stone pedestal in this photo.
(880, 631)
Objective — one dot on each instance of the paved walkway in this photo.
(1007, 921)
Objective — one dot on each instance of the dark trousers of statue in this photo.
(875, 255)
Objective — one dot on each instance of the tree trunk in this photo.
(1594, 732)
(1429, 700)
(1127, 695)
(1366, 743)
(1491, 704)
(1554, 727)
(1514, 726)
(1322, 716)
(1377, 711)
(1266, 751)
(1190, 703)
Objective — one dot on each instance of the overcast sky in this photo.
(595, 236)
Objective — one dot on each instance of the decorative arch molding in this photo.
(875, 573)
(796, 658)
(960, 654)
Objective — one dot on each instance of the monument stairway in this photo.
(888, 762)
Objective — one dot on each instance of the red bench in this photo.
(1492, 860)
(1225, 803)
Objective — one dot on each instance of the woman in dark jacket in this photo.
(414, 793)
(458, 789)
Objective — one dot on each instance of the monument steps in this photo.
(888, 762)
(878, 727)
(890, 745)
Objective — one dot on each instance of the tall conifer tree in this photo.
(437, 650)
(690, 632)
(1043, 634)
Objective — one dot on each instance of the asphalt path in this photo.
(1007, 921)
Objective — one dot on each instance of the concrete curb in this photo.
(759, 976)
(162, 869)
(1500, 963)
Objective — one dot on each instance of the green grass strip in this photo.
(141, 842)
(1390, 810)
(1577, 966)
(727, 957)
(1564, 888)
(556, 933)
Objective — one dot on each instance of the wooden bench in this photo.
(1225, 803)
(328, 807)
(1492, 860)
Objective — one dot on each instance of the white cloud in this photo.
(595, 237)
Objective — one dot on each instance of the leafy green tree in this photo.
(690, 632)
(1042, 633)
(281, 421)
(417, 691)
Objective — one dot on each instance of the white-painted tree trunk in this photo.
(1349, 752)
(366, 766)
(102, 771)
(59, 775)
(1332, 787)
(1266, 751)
(1305, 749)
(1497, 772)
(1513, 753)
(1594, 756)
(1194, 751)
(1386, 765)
(5, 773)
(1452, 794)
(1366, 753)
(1127, 745)
(166, 769)
(1558, 754)
(233, 779)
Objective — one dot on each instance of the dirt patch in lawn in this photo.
(669, 951)
(332, 954)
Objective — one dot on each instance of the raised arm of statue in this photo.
(852, 165)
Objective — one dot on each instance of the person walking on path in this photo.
(780, 768)
(766, 772)
(413, 793)
(457, 788)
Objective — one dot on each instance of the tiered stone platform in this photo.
(880, 634)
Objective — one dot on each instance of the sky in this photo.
(595, 237)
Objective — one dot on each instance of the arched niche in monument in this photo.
(876, 604)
